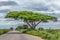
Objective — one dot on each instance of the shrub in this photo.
(42, 34)
(40, 28)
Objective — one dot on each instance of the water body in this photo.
(7, 23)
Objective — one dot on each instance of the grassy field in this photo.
(45, 34)
(49, 34)
(3, 31)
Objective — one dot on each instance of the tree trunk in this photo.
(32, 24)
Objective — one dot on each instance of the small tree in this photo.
(25, 26)
(40, 28)
(31, 18)
(22, 27)
(11, 28)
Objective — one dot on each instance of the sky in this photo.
(43, 6)
(35, 5)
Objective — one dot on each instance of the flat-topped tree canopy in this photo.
(13, 14)
(31, 18)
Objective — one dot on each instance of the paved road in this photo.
(15, 35)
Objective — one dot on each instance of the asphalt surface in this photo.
(15, 35)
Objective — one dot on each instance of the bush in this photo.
(42, 34)
(40, 28)
(22, 27)
(11, 28)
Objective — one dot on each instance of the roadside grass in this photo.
(45, 34)
(3, 31)
(58, 34)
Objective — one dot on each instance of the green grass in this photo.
(58, 35)
(3, 31)
(45, 34)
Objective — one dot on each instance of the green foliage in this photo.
(22, 27)
(31, 18)
(40, 28)
(52, 31)
(25, 26)
(42, 34)
(11, 28)
(13, 14)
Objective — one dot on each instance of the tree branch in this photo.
(28, 24)
(37, 23)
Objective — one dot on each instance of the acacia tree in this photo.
(31, 18)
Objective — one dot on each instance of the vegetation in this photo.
(31, 18)
(11, 28)
(3, 31)
(40, 28)
(47, 34)
(22, 27)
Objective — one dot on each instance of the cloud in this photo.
(8, 3)
(4, 11)
(8, 21)
(37, 5)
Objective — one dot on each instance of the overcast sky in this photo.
(35, 5)
(45, 6)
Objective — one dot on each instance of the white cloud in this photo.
(36, 5)
(4, 7)
(6, 22)
(3, 0)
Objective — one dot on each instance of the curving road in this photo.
(15, 35)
